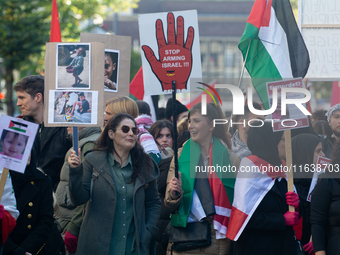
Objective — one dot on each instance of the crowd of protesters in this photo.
(119, 194)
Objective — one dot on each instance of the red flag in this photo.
(136, 88)
(335, 93)
(55, 35)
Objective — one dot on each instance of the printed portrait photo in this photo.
(111, 70)
(73, 66)
(16, 140)
(13, 144)
(73, 106)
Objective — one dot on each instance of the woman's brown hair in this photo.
(214, 112)
(156, 128)
(123, 104)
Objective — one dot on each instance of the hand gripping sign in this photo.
(175, 58)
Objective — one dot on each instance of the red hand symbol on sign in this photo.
(175, 61)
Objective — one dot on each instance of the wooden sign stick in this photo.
(289, 161)
(3, 181)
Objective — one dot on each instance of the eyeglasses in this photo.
(126, 130)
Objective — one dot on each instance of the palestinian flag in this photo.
(276, 48)
(221, 185)
(17, 126)
(251, 186)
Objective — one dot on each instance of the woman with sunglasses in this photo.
(119, 180)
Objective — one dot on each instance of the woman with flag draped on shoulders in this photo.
(260, 222)
(201, 197)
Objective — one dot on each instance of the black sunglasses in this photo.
(126, 130)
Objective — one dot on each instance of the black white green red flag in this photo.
(276, 47)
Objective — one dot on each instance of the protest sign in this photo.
(294, 118)
(175, 57)
(17, 137)
(319, 168)
(320, 28)
(74, 107)
(74, 98)
(116, 64)
(73, 65)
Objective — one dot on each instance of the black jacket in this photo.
(266, 232)
(34, 225)
(162, 235)
(50, 147)
(325, 214)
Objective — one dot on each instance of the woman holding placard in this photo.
(199, 199)
(260, 222)
(119, 180)
(114, 106)
(325, 209)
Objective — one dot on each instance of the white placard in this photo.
(319, 22)
(73, 107)
(319, 11)
(73, 67)
(321, 165)
(294, 118)
(17, 137)
(170, 50)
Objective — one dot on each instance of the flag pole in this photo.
(174, 116)
(289, 161)
(239, 81)
(3, 179)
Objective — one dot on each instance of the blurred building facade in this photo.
(221, 24)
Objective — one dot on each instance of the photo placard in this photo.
(63, 99)
(111, 70)
(74, 107)
(17, 137)
(73, 66)
(119, 46)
